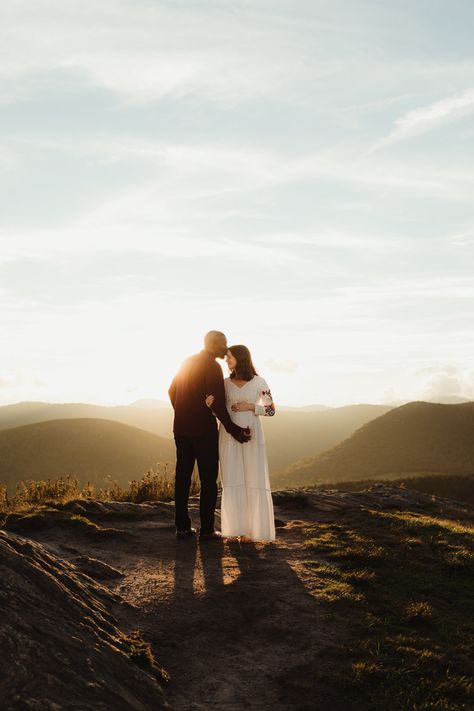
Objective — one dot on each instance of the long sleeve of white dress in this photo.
(264, 406)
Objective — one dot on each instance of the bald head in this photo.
(216, 343)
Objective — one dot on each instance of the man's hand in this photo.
(210, 400)
(243, 436)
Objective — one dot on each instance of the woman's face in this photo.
(230, 360)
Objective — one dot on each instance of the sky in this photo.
(295, 173)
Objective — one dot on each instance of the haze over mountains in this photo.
(294, 433)
(150, 415)
(417, 438)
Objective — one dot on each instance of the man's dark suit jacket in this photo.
(198, 377)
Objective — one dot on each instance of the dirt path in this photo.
(237, 626)
(232, 623)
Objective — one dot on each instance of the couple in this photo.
(199, 394)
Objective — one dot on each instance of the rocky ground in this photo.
(236, 625)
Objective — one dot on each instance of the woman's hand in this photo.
(210, 400)
(243, 407)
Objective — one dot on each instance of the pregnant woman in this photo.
(247, 507)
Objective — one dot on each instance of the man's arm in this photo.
(215, 386)
(172, 391)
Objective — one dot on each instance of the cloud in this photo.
(26, 377)
(173, 174)
(442, 381)
(391, 397)
(146, 51)
(281, 366)
(462, 239)
(429, 118)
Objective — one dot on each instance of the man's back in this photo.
(198, 377)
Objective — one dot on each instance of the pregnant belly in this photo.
(243, 419)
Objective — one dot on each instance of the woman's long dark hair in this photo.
(244, 368)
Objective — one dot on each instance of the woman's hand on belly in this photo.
(243, 406)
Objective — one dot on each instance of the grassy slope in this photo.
(416, 438)
(89, 449)
(401, 585)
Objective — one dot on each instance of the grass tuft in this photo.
(141, 654)
(420, 611)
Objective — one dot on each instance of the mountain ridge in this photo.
(418, 437)
(94, 450)
(290, 435)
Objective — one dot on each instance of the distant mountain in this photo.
(156, 417)
(291, 435)
(416, 438)
(294, 434)
(90, 449)
(315, 408)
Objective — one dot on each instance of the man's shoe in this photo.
(185, 533)
(214, 536)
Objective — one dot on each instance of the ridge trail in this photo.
(236, 625)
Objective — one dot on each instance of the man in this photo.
(195, 432)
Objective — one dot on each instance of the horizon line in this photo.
(322, 406)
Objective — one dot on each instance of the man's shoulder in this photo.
(194, 358)
(204, 356)
(189, 364)
(203, 359)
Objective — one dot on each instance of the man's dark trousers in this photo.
(205, 450)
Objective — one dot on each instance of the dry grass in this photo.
(155, 485)
(140, 652)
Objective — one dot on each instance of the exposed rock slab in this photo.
(378, 496)
(60, 647)
(121, 509)
(96, 568)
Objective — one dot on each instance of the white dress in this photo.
(247, 506)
